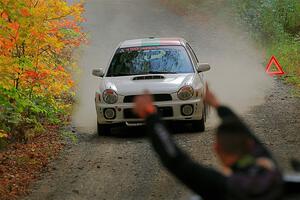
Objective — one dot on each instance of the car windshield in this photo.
(150, 60)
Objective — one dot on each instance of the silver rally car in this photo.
(167, 67)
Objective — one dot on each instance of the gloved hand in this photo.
(144, 105)
(210, 98)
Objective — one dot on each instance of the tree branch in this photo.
(60, 17)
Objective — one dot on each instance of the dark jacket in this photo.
(249, 180)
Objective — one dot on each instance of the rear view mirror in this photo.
(202, 67)
(98, 72)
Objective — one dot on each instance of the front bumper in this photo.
(169, 110)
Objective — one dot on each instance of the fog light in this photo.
(109, 113)
(187, 110)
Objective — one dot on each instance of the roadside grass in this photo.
(69, 136)
(288, 54)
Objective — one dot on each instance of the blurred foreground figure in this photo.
(250, 171)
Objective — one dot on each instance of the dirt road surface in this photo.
(123, 166)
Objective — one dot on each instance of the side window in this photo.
(192, 52)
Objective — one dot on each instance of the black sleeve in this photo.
(225, 113)
(206, 182)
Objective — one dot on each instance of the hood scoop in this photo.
(148, 77)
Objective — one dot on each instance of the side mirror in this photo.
(203, 67)
(98, 72)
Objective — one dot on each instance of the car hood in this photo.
(164, 83)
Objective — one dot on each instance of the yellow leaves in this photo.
(5, 2)
(78, 9)
(3, 134)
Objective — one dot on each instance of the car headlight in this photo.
(185, 93)
(110, 96)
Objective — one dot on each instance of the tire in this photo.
(103, 129)
(199, 125)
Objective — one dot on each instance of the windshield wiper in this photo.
(118, 74)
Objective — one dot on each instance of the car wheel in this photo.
(103, 129)
(199, 125)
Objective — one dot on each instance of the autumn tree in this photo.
(37, 41)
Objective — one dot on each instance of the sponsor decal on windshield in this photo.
(137, 49)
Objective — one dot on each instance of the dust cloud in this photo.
(237, 75)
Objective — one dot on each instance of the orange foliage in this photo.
(37, 39)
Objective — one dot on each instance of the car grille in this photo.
(156, 97)
(163, 111)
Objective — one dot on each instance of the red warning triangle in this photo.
(279, 70)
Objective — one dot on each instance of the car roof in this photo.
(152, 41)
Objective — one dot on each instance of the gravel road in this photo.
(123, 166)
